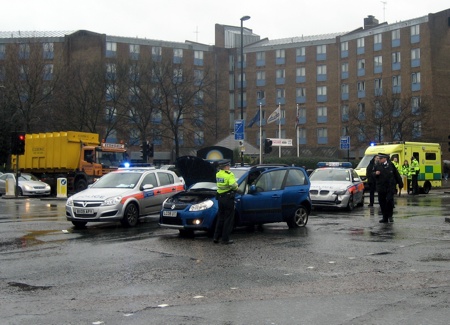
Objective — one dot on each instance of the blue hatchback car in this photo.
(269, 194)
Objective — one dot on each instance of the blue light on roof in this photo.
(344, 164)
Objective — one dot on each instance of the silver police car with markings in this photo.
(124, 195)
(336, 185)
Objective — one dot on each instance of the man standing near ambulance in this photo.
(415, 169)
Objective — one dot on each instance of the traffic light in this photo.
(144, 151)
(267, 146)
(150, 149)
(17, 143)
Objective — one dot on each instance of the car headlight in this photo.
(69, 202)
(341, 192)
(202, 205)
(112, 200)
(28, 187)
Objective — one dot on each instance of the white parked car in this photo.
(123, 195)
(29, 185)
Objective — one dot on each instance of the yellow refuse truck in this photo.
(77, 156)
(427, 154)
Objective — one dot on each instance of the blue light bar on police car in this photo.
(344, 164)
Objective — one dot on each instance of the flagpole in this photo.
(260, 134)
(279, 129)
(297, 133)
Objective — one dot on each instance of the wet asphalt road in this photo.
(343, 268)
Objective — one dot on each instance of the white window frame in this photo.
(322, 90)
(300, 51)
(395, 34)
(280, 53)
(378, 38)
(198, 55)
(321, 49)
(321, 69)
(415, 30)
(281, 73)
(378, 61)
(344, 67)
(177, 53)
(360, 42)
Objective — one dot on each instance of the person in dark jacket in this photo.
(371, 179)
(387, 178)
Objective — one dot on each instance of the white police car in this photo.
(336, 184)
(123, 195)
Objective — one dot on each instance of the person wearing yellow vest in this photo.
(414, 167)
(226, 189)
(406, 171)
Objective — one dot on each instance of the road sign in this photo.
(281, 142)
(345, 143)
(239, 130)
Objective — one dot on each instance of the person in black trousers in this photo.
(387, 178)
(371, 179)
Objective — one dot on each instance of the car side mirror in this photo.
(356, 179)
(252, 189)
(147, 187)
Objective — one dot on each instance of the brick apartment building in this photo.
(320, 82)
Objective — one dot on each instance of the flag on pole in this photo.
(254, 120)
(297, 119)
(275, 116)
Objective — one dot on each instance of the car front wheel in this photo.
(299, 219)
(351, 204)
(130, 216)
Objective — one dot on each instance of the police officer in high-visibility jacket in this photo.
(226, 189)
(415, 169)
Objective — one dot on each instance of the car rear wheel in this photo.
(79, 224)
(130, 216)
(299, 219)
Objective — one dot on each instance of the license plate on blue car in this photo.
(169, 213)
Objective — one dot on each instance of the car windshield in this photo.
(118, 180)
(204, 186)
(28, 177)
(365, 161)
(238, 172)
(330, 174)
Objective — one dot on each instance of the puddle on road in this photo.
(29, 240)
(27, 287)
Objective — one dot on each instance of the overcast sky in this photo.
(194, 20)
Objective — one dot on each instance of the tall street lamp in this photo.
(242, 64)
(242, 76)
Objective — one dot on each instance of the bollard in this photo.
(61, 187)
(10, 185)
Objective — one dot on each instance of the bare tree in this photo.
(31, 79)
(390, 117)
(185, 103)
(89, 99)
(169, 101)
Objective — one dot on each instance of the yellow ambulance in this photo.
(427, 154)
